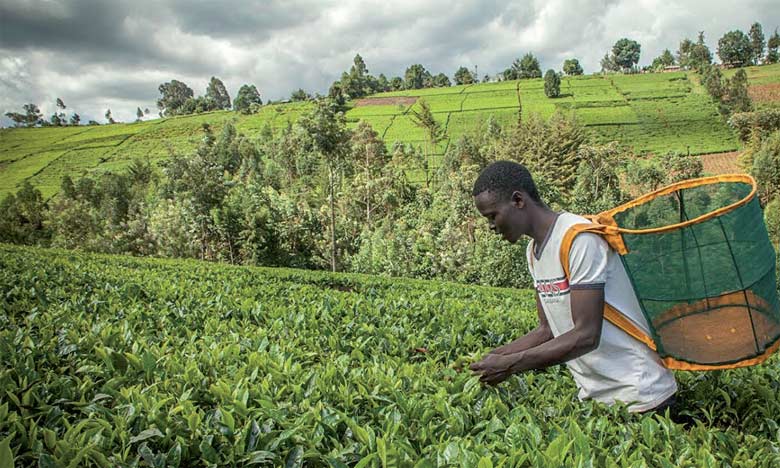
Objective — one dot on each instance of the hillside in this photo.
(110, 359)
(651, 112)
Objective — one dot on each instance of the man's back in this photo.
(621, 368)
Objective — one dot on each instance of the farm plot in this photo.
(15, 173)
(117, 361)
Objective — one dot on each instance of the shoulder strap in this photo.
(610, 234)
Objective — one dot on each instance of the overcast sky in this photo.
(99, 54)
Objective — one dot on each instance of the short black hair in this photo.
(504, 177)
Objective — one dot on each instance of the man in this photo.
(607, 364)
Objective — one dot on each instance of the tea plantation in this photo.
(657, 112)
(118, 361)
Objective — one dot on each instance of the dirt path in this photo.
(386, 101)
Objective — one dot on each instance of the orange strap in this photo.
(612, 236)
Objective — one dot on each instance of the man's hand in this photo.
(494, 368)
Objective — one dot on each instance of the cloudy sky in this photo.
(98, 54)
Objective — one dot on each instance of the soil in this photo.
(765, 93)
(721, 163)
(386, 101)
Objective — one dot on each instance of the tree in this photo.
(327, 129)
(55, 120)
(109, 117)
(625, 53)
(552, 84)
(396, 83)
(608, 64)
(772, 46)
(737, 98)
(32, 116)
(463, 76)
(139, 114)
(75, 119)
(423, 118)
(441, 81)
(300, 95)
(527, 67)
(173, 96)
(734, 49)
(700, 55)
(218, 93)
(757, 43)
(572, 67)
(684, 53)
(61, 115)
(664, 60)
(246, 97)
(416, 77)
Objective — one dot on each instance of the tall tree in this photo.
(218, 93)
(299, 95)
(684, 53)
(572, 67)
(423, 118)
(246, 97)
(139, 114)
(552, 84)
(772, 46)
(757, 43)
(173, 96)
(30, 118)
(737, 98)
(700, 56)
(625, 53)
(75, 119)
(416, 77)
(327, 129)
(608, 64)
(441, 81)
(109, 117)
(396, 83)
(666, 59)
(734, 48)
(463, 76)
(528, 67)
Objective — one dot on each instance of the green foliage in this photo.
(625, 53)
(757, 43)
(664, 60)
(734, 48)
(524, 68)
(598, 179)
(299, 95)
(766, 167)
(759, 123)
(246, 98)
(216, 92)
(463, 76)
(416, 77)
(572, 67)
(173, 95)
(172, 363)
(552, 84)
(772, 47)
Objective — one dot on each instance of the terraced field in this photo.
(651, 112)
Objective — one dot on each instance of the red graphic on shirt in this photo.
(552, 287)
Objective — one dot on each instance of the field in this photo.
(118, 361)
(654, 113)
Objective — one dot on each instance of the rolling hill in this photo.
(654, 113)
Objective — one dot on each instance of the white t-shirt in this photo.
(621, 368)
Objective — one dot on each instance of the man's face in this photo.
(505, 217)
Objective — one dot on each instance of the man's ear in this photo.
(518, 199)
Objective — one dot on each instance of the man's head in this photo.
(503, 193)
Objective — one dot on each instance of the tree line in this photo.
(319, 195)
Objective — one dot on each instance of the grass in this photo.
(656, 113)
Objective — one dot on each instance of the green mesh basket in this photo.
(703, 268)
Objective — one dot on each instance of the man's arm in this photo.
(587, 310)
(535, 337)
